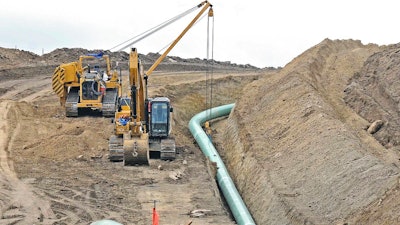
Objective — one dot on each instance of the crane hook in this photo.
(211, 12)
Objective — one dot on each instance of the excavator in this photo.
(94, 87)
(143, 124)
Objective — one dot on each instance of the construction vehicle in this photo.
(143, 124)
(93, 86)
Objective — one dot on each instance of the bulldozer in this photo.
(93, 86)
(142, 124)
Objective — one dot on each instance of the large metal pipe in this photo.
(105, 222)
(232, 196)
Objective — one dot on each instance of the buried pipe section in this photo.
(105, 222)
(232, 196)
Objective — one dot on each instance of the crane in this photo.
(143, 124)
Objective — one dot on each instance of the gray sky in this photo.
(261, 33)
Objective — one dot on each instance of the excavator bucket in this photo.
(136, 151)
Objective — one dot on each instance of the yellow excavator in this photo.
(143, 124)
(94, 86)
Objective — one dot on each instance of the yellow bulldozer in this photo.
(88, 83)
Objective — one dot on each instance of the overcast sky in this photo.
(261, 33)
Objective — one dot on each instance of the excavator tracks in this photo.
(71, 104)
(163, 149)
(168, 150)
(110, 102)
(116, 148)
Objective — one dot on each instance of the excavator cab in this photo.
(161, 144)
(160, 120)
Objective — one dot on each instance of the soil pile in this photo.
(15, 64)
(170, 63)
(314, 160)
(374, 93)
(16, 58)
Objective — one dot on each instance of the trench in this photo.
(228, 188)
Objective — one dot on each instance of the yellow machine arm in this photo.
(138, 92)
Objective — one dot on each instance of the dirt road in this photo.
(20, 202)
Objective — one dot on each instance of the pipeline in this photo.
(232, 196)
(105, 222)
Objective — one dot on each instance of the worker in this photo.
(124, 119)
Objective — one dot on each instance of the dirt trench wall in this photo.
(374, 93)
(290, 150)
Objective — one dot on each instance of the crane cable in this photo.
(169, 44)
(152, 30)
(210, 67)
(209, 77)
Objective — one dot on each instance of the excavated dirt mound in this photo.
(314, 160)
(16, 58)
(17, 64)
(374, 93)
(170, 63)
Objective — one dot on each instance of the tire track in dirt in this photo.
(23, 203)
(22, 206)
(25, 90)
(8, 176)
(60, 204)
(27, 201)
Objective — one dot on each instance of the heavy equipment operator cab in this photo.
(160, 119)
(90, 87)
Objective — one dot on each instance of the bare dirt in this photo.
(297, 143)
(55, 170)
(314, 159)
